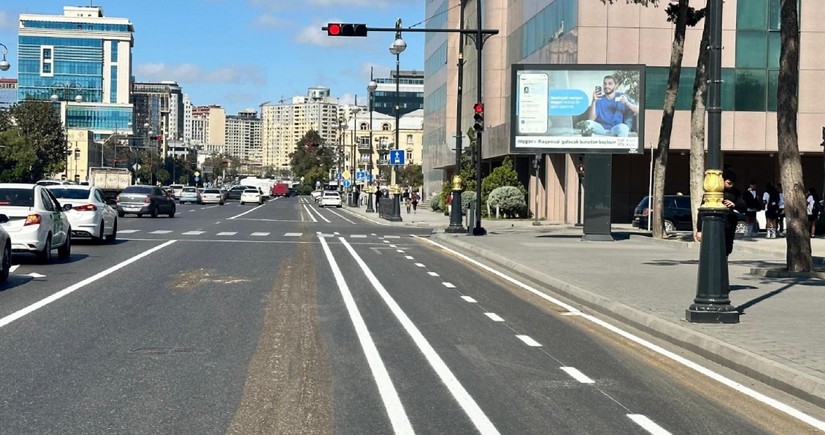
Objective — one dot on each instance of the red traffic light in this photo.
(346, 29)
(333, 29)
(478, 108)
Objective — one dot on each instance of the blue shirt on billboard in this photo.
(612, 112)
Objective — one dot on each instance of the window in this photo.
(409, 157)
(409, 139)
(47, 60)
(385, 127)
(362, 126)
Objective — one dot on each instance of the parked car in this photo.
(5, 252)
(37, 223)
(212, 195)
(316, 195)
(189, 194)
(331, 198)
(252, 194)
(292, 192)
(677, 215)
(143, 199)
(91, 215)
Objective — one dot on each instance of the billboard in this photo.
(570, 108)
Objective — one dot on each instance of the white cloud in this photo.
(270, 22)
(188, 73)
(313, 35)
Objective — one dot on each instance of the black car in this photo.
(235, 192)
(677, 216)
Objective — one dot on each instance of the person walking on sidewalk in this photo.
(754, 204)
(780, 220)
(414, 199)
(770, 199)
(813, 209)
(733, 200)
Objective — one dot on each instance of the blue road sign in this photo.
(197, 178)
(338, 176)
(360, 175)
(347, 183)
(397, 157)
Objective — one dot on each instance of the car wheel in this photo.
(99, 238)
(5, 267)
(121, 214)
(140, 215)
(669, 227)
(113, 236)
(44, 255)
(338, 206)
(66, 250)
(154, 212)
(241, 202)
(172, 213)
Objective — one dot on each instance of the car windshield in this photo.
(17, 197)
(64, 193)
(138, 189)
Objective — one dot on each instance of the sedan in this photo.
(235, 192)
(212, 196)
(5, 253)
(37, 223)
(142, 199)
(91, 215)
(330, 198)
(189, 194)
(251, 195)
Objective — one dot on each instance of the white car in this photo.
(331, 198)
(5, 252)
(212, 195)
(91, 215)
(37, 222)
(252, 195)
(316, 195)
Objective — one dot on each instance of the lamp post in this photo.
(455, 210)
(4, 64)
(397, 47)
(371, 87)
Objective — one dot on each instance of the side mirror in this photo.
(3, 218)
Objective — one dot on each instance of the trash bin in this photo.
(471, 216)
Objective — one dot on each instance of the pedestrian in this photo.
(813, 209)
(408, 203)
(449, 202)
(780, 220)
(415, 198)
(735, 205)
(771, 204)
(754, 204)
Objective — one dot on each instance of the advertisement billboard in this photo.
(569, 108)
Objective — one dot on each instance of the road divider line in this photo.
(494, 317)
(528, 340)
(577, 375)
(467, 403)
(395, 409)
(469, 299)
(318, 212)
(342, 217)
(421, 265)
(648, 424)
(74, 287)
(448, 284)
(306, 207)
(246, 212)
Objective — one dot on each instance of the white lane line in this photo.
(787, 409)
(648, 424)
(342, 217)
(392, 237)
(494, 317)
(469, 299)
(318, 212)
(259, 234)
(248, 211)
(72, 288)
(127, 231)
(293, 234)
(13, 268)
(400, 251)
(387, 241)
(467, 403)
(421, 265)
(392, 403)
(391, 246)
(577, 375)
(358, 236)
(227, 233)
(448, 284)
(306, 208)
(160, 232)
(193, 233)
(528, 341)
(409, 257)
(429, 273)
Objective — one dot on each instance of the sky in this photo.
(241, 53)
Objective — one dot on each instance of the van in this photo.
(280, 189)
(176, 190)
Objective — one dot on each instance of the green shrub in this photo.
(509, 200)
(466, 197)
(303, 189)
(435, 203)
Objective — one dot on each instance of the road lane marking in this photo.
(528, 341)
(467, 403)
(259, 234)
(318, 212)
(409, 257)
(494, 317)
(13, 268)
(422, 265)
(227, 233)
(429, 273)
(127, 231)
(246, 212)
(392, 237)
(648, 424)
(358, 236)
(160, 232)
(448, 284)
(306, 208)
(773, 403)
(469, 299)
(342, 217)
(577, 375)
(293, 234)
(193, 233)
(400, 251)
(74, 287)
(389, 395)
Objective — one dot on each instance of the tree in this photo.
(410, 175)
(312, 159)
(40, 127)
(697, 126)
(787, 103)
(16, 159)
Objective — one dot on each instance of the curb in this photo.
(789, 380)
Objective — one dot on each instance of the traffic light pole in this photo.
(479, 230)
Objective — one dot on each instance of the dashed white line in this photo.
(193, 233)
(428, 273)
(392, 237)
(293, 234)
(227, 233)
(400, 251)
(577, 375)
(421, 265)
(13, 268)
(160, 232)
(259, 234)
(528, 341)
(127, 231)
(494, 317)
(449, 285)
(648, 424)
(409, 257)
(469, 299)
(358, 236)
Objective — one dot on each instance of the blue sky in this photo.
(241, 53)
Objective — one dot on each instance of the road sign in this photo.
(361, 175)
(347, 183)
(338, 176)
(345, 174)
(197, 178)
(397, 157)
(197, 174)
(136, 167)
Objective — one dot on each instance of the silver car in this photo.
(91, 215)
(37, 222)
(212, 196)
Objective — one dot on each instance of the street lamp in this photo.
(4, 64)
(371, 87)
(455, 210)
(398, 46)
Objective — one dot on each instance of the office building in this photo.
(410, 92)
(8, 93)
(243, 136)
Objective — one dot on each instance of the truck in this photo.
(265, 184)
(111, 181)
(280, 189)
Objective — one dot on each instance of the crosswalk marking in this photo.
(359, 236)
(160, 232)
(227, 233)
(264, 234)
(259, 234)
(193, 233)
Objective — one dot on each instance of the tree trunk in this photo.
(697, 128)
(798, 237)
(660, 164)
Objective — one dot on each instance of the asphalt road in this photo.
(288, 318)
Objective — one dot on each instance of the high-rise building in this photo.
(81, 59)
(410, 93)
(158, 107)
(209, 129)
(589, 32)
(285, 123)
(8, 93)
(243, 135)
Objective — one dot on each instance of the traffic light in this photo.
(478, 117)
(346, 29)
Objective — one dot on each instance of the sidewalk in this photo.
(649, 283)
